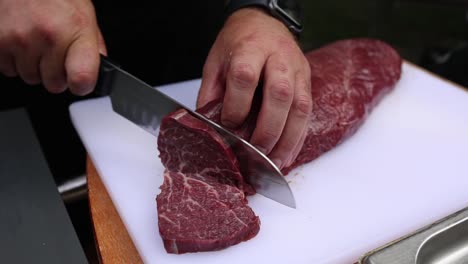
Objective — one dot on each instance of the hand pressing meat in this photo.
(202, 204)
(253, 46)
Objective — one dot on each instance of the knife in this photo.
(145, 106)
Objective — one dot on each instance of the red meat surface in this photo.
(202, 204)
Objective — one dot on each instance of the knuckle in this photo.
(80, 19)
(243, 74)
(281, 90)
(249, 43)
(302, 106)
(286, 44)
(250, 40)
(48, 32)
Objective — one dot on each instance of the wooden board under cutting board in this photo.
(405, 167)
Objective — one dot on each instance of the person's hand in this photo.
(254, 45)
(55, 42)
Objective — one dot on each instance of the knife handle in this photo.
(105, 77)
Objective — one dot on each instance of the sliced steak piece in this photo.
(202, 205)
(188, 145)
(200, 213)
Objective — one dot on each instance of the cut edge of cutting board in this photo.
(113, 243)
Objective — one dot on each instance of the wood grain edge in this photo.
(113, 242)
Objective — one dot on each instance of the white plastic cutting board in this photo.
(405, 167)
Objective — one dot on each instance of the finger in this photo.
(53, 71)
(278, 95)
(82, 63)
(211, 86)
(299, 146)
(296, 150)
(101, 43)
(27, 51)
(7, 65)
(296, 124)
(242, 78)
(27, 64)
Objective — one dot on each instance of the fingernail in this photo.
(82, 89)
(278, 163)
(81, 92)
(56, 86)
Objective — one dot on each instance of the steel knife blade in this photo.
(145, 106)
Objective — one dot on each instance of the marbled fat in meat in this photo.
(202, 204)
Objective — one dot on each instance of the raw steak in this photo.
(348, 79)
(202, 205)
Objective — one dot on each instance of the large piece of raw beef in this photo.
(202, 205)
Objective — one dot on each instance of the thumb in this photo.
(82, 63)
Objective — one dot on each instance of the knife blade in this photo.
(145, 106)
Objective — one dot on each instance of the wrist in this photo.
(255, 16)
(287, 12)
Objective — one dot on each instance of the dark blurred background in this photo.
(167, 41)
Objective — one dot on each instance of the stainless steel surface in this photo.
(448, 246)
(443, 242)
(74, 189)
(146, 106)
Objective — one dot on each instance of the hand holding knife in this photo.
(145, 106)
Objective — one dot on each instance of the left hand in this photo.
(55, 42)
(254, 44)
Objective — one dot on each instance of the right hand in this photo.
(55, 42)
(254, 46)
